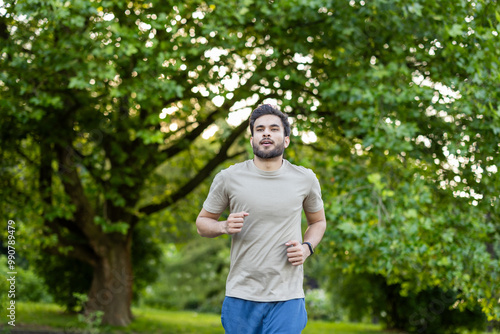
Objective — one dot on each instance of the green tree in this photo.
(97, 96)
(408, 95)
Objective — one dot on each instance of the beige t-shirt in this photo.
(274, 200)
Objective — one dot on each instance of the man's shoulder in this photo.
(301, 170)
(237, 167)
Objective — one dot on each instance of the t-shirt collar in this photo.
(268, 173)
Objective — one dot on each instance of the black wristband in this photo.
(310, 246)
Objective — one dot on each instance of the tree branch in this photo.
(28, 159)
(78, 252)
(84, 214)
(232, 156)
(190, 136)
(45, 173)
(83, 159)
(201, 175)
(315, 148)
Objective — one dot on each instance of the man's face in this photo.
(268, 140)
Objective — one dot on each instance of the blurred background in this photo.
(116, 115)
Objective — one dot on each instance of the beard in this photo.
(277, 151)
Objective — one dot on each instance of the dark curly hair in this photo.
(268, 109)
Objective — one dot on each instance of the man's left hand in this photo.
(296, 252)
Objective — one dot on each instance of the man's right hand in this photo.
(234, 222)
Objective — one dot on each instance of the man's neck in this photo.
(268, 165)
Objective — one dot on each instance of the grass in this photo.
(154, 321)
(320, 327)
(151, 321)
(157, 321)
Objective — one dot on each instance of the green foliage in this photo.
(319, 305)
(430, 311)
(369, 297)
(29, 286)
(402, 96)
(389, 220)
(73, 277)
(91, 320)
(146, 259)
(4, 286)
(193, 277)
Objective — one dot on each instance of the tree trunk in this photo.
(111, 289)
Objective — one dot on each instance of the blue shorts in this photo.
(241, 316)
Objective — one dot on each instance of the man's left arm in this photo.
(316, 225)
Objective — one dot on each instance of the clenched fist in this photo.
(296, 252)
(234, 222)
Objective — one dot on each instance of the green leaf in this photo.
(455, 30)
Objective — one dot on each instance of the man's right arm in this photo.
(209, 226)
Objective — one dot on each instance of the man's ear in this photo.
(286, 141)
(251, 141)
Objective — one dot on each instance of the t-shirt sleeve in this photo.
(313, 201)
(217, 200)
